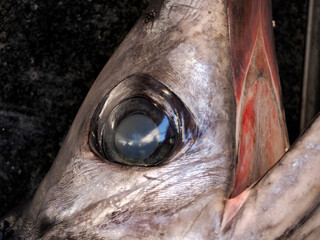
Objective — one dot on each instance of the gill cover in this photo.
(261, 135)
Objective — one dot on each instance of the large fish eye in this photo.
(141, 122)
(137, 132)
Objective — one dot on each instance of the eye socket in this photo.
(141, 122)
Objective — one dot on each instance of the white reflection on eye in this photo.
(137, 136)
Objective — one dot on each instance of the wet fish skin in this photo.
(84, 195)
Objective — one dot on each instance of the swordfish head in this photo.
(185, 116)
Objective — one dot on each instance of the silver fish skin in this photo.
(185, 47)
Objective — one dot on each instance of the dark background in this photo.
(52, 51)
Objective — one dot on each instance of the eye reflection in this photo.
(163, 128)
(137, 136)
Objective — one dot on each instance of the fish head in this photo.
(172, 76)
(176, 59)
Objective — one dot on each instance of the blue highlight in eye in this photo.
(137, 136)
(163, 128)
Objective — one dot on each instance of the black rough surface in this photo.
(6, 233)
(50, 54)
(52, 51)
(290, 33)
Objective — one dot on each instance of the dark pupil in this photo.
(137, 136)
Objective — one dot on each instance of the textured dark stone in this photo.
(6, 233)
(50, 54)
(52, 51)
(290, 33)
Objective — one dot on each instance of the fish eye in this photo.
(141, 123)
(137, 132)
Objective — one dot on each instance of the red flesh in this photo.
(261, 133)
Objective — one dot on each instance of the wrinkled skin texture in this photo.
(194, 49)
